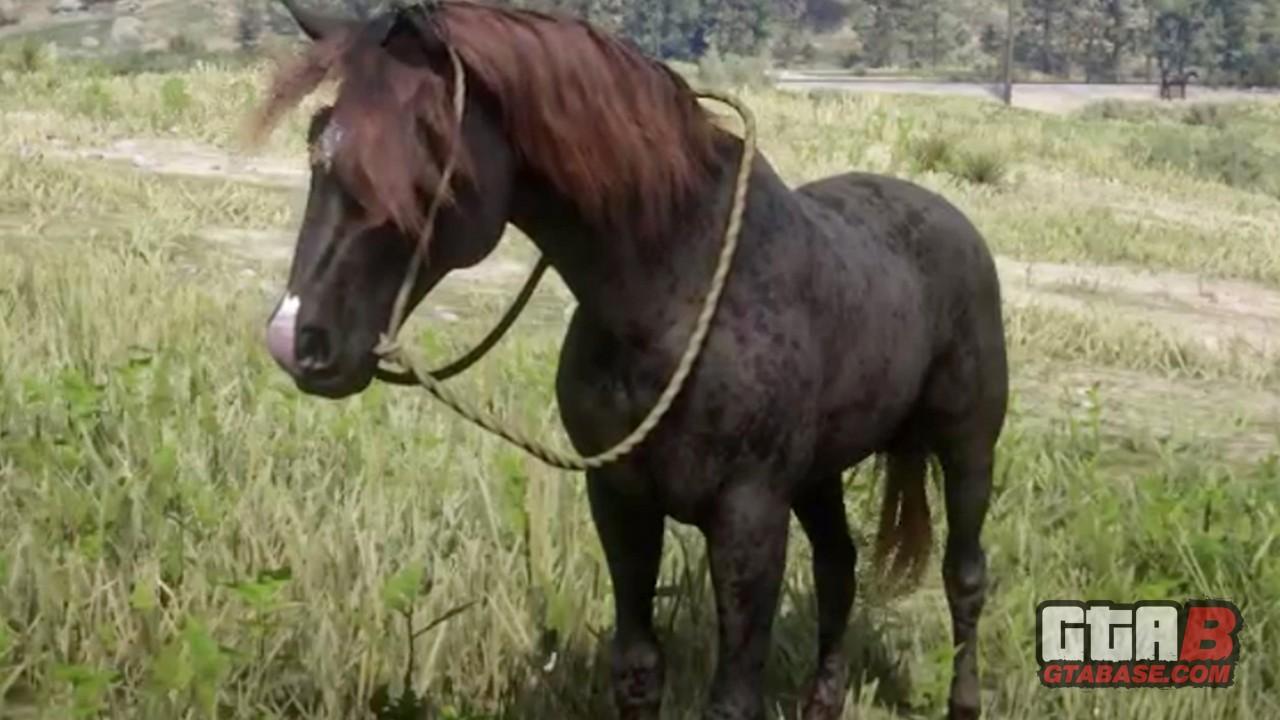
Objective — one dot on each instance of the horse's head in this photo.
(377, 157)
(600, 137)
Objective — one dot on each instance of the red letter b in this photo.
(1208, 633)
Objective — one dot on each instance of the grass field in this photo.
(183, 535)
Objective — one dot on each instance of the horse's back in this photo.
(900, 214)
(932, 236)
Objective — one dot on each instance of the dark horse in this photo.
(1174, 84)
(862, 315)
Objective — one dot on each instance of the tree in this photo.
(879, 32)
(1044, 35)
(1108, 29)
(1264, 63)
(738, 26)
(1236, 41)
(666, 28)
(825, 15)
(1177, 30)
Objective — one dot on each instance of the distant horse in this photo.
(1172, 83)
(862, 315)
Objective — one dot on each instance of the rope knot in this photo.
(388, 348)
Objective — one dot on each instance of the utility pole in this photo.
(1008, 53)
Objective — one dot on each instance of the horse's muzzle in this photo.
(282, 332)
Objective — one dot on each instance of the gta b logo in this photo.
(1144, 644)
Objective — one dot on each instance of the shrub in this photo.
(1203, 114)
(1229, 158)
(1123, 111)
(941, 153)
(184, 44)
(1166, 148)
(981, 167)
(138, 62)
(715, 70)
(854, 60)
(174, 98)
(1235, 161)
(933, 153)
(808, 53)
(31, 57)
(1216, 115)
(1263, 74)
(790, 48)
(96, 101)
(711, 69)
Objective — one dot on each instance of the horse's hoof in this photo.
(826, 699)
(815, 710)
(956, 711)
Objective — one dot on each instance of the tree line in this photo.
(1234, 42)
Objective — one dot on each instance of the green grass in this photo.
(183, 535)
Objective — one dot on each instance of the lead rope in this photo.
(389, 349)
(459, 366)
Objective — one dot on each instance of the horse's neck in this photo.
(626, 281)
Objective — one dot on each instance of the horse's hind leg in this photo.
(835, 559)
(967, 466)
(964, 411)
(632, 540)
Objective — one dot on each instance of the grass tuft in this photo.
(933, 153)
(1230, 158)
(981, 167)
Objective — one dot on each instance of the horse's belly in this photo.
(850, 434)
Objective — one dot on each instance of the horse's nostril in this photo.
(315, 354)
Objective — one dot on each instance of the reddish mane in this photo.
(618, 134)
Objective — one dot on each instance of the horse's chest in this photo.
(744, 406)
(597, 388)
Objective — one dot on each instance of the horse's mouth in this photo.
(336, 385)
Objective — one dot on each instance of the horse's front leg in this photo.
(746, 536)
(631, 533)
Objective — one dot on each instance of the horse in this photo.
(862, 316)
(1169, 82)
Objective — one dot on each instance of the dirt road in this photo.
(1045, 97)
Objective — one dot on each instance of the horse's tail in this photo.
(905, 535)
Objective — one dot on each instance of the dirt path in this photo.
(1238, 420)
(189, 159)
(1218, 313)
(1044, 97)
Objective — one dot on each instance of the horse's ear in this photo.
(315, 25)
(410, 34)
